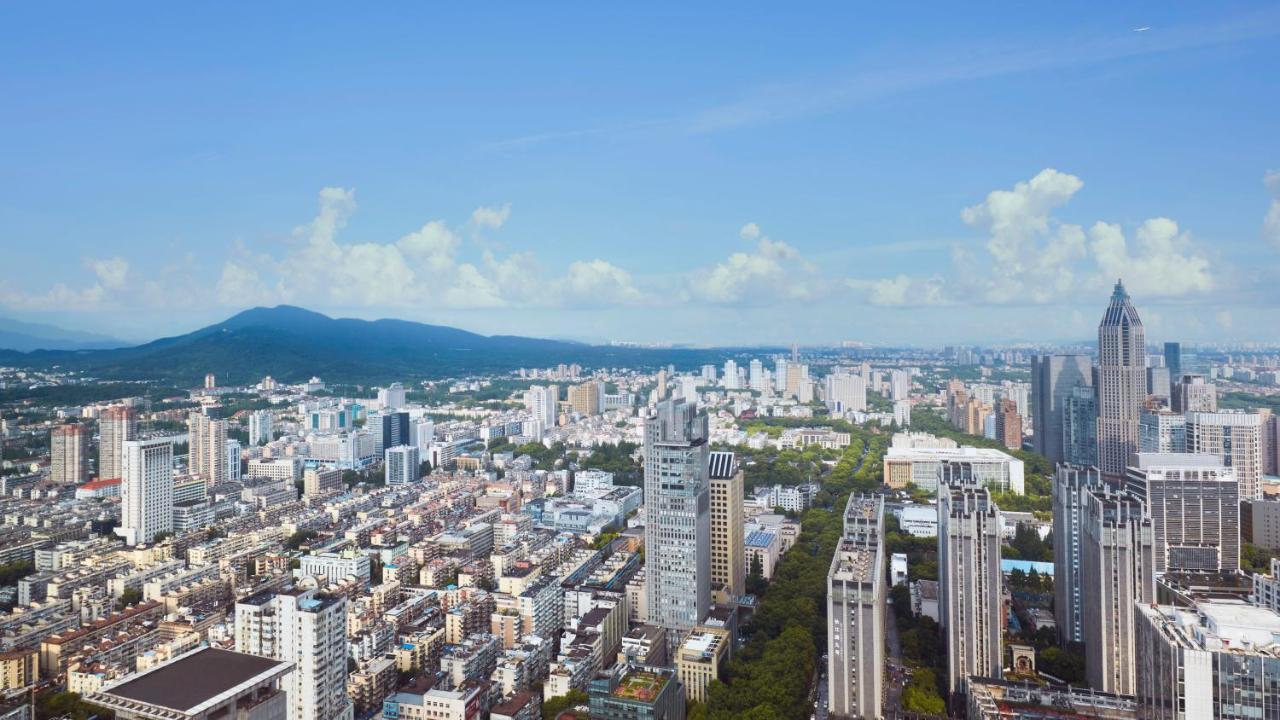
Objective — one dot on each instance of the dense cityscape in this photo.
(845, 532)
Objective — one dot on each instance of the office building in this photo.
(1236, 438)
(1009, 425)
(702, 657)
(845, 393)
(306, 628)
(394, 430)
(584, 399)
(677, 509)
(1116, 572)
(856, 619)
(1162, 431)
(1159, 385)
(970, 590)
(321, 481)
(69, 454)
(207, 448)
(401, 465)
(930, 468)
(205, 684)
(1195, 394)
(1122, 383)
(1218, 659)
(146, 490)
(1070, 490)
(1080, 427)
(636, 692)
(1193, 503)
(233, 460)
(116, 424)
(261, 430)
(728, 565)
(1053, 377)
(1173, 359)
(392, 397)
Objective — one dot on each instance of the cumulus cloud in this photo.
(772, 271)
(1271, 224)
(110, 285)
(491, 217)
(1163, 263)
(597, 282)
(904, 291)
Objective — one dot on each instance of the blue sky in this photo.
(731, 173)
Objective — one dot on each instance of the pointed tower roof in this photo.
(1120, 311)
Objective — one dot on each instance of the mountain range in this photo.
(292, 344)
(26, 336)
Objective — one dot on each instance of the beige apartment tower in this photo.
(116, 424)
(728, 564)
(69, 454)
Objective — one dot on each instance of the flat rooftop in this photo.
(194, 679)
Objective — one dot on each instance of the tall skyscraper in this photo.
(755, 376)
(1053, 377)
(541, 401)
(730, 375)
(146, 490)
(1080, 427)
(260, 427)
(678, 513)
(207, 448)
(970, 590)
(728, 563)
(1236, 438)
(401, 464)
(309, 629)
(856, 613)
(1173, 359)
(1193, 503)
(69, 454)
(1117, 572)
(899, 385)
(1070, 488)
(1122, 383)
(116, 424)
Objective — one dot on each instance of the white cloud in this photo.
(750, 231)
(491, 217)
(1271, 224)
(596, 282)
(774, 271)
(903, 291)
(1164, 264)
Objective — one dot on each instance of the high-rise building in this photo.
(1271, 444)
(970, 590)
(856, 613)
(845, 393)
(1159, 384)
(756, 377)
(780, 375)
(899, 385)
(1053, 377)
(1116, 573)
(1193, 503)
(1162, 431)
(728, 564)
(1195, 394)
(1122, 383)
(1236, 438)
(1070, 488)
(662, 384)
(391, 397)
(69, 454)
(260, 427)
(584, 399)
(116, 424)
(234, 453)
(210, 381)
(207, 448)
(1080, 427)
(636, 692)
(401, 463)
(1173, 359)
(309, 629)
(394, 430)
(146, 490)
(730, 375)
(1009, 425)
(678, 514)
(541, 401)
(1217, 659)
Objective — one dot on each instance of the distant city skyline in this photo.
(765, 179)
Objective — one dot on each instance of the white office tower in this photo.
(309, 629)
(1236, 437)
(1122, 384)
(116, 424)
(233, 460)
(756, 376)
(401, 463)
(899, 385)
(689, 387)
(391, 397)
(1070, 488)
(146, 490)
(730, 375)
(422, 432)
(541, 402)
(1218, 659)
(970, 591)
(845, 393)
(856, 613)
(678, 512)
(1192, 393)
(1116, 573)
(1162, 431)
(207, 448)
(1193, 503)
(261, 424)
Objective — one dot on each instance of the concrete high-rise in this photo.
(207, 448)
(677, 503)
(1122, 383)
(1162, 431)
(856, 613)
(541, 401)
(401, 464)
(69, 454)
(1009, 425)
(1116, 573)
(1192, 393)
(309, 629)
(1080, 427)
(1236, 437)
(584, 399)
(970, 590)
(260, 427)
(1071, 485)
(1193, 503)
(116, 424)
(146, 490)
(845, 393)
(1053, 377)
(728, 563)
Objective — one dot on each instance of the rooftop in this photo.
(197, 678)
(642, 685)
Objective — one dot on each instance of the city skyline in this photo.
(712, 195)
